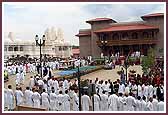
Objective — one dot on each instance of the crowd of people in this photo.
(62, 95)
(139, 93)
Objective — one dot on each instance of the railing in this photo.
(129, 42)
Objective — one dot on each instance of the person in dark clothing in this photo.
(158, 92)
(111, 87)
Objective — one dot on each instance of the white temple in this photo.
(54, 45)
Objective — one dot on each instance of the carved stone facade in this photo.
(54, 46)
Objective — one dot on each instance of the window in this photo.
(10, 48)
(16, 48)
(115, 36)
(124, 36)
(145, 35)
(5, 48)
(21, 48)
(134, 35)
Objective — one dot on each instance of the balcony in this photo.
(128, 42)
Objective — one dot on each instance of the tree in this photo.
(148, 61)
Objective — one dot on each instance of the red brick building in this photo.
(109, 37)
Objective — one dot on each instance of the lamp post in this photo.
(79, 86)
(42, 43)
(104, 42)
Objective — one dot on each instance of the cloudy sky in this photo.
(26, 20)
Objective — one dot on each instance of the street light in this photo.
(79, 86)
(104, 42)
(42, 43)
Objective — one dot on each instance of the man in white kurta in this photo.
(113, 102)
(149, 106)
(18, 96)
(150, 91)
(143, 104)
(18, 78)
(140, 91)
(66, 104)
(60, 99)
(45, 100)
(52, 99)
(65, 84)
(104, 102)
(154, 102)
(85, 101)
(22, 77)
(96, 99)
(36, 99)
(75, 101)
(160, 105)
(146, 91)
(28, 97)
(131, 102)
(10, 98)
(120, 103)
(138, 104)
(121, 88)
(31, 82)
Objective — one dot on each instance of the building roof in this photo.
(100, 19)
(126, 28)
(75, 51)
(85, 32)
(153, 15)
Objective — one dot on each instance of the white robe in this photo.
(31, 83)
(52, 98)
(134, 89)
(143, 105)
(145, 91)
(19, 97)
(36, 99)
(18, 79)
(140, 91)
(121, 88)
(28, 97)
(65, 84)
(60, 99)
(85, 101)
(96, 102)
(138, 105)
(120, 103)
(160, 106)
(149, 106)
(113, 102)
(127, 90)
(131, 103)
(150, 91)
(155, 102)
(75, 102)
(22, 77)
(66, 104)
(45, 101)
(104, 102)
(125, 106)
(10, 99)
(56, 86)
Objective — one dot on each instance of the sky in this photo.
(26, 20)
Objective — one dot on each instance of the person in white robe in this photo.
(55, 85)
(160, 105)
(140, 90)
(145, 91)
(22, 77)
(36, 99)
(150, 91)
(85, 102)
(10, 98)
(75, 101)
(19, 96)
(149, 105)
(31, 82)
(120, 103)
(50, 85)
(45, 100)
(125, 106)
(66, 104)
(134, 89)
(143, 104)
(121, 88)
(131, 102)
(127, 89)
(154, 102)
(96, 100)
(5, 98)
(113, 102)
(52, 98)
(138, 104)
(28, 97)
(65, 84)
(18, 78)
(104, 102)
(60, 99)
